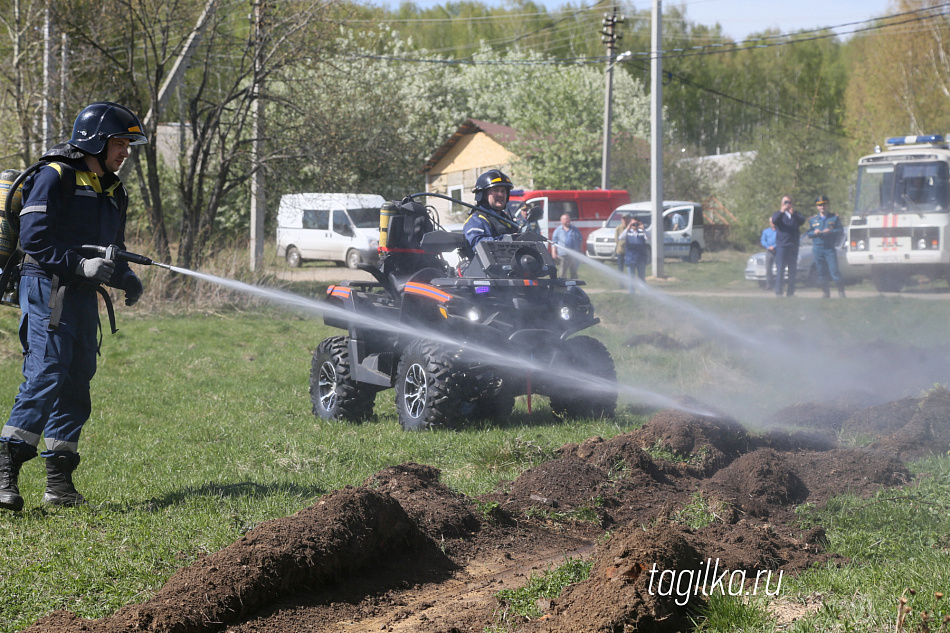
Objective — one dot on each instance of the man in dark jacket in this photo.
(786, 223)
(490, 219)
(74, 201)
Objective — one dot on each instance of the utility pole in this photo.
(257, 113)
(609, 36)
(656, 136)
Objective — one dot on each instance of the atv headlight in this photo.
(566, 313)
(474, 315)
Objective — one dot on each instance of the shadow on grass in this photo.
(244, 489)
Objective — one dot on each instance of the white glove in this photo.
(97, 269)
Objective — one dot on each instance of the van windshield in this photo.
(644, 217)
(366, 218)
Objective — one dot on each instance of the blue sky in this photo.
(739, 18)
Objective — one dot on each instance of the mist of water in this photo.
(508, 358)
(790, 360)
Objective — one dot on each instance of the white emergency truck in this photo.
(901, 212)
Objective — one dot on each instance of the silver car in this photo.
(807, 270)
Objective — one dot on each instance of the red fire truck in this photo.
(588, 209)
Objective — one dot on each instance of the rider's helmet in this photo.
(491, 178)
(100, 121)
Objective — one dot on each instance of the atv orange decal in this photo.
(425, 290)
(340, 291)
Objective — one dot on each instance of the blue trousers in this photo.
(636, 262)
(58, 366)
(786, 257)
(826, 261)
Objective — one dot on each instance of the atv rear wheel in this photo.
(588, 356)
(428, 389)
(333, 392)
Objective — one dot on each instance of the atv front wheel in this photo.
(592, 395)
(428, 392)
(333, 392)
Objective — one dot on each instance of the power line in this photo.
(706, 49)
(783, 39)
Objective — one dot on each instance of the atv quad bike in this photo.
(460, 343)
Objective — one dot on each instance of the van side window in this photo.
(316, 219)
(557, 208)
(341, 224)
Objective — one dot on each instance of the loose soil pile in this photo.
(402, 552)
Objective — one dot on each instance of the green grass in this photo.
(522, 604)
(899, 545)
(201, 429)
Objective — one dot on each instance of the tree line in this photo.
(355, 97)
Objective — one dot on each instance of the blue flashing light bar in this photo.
(912, 140)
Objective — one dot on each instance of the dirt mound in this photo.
(404, 553)
(655, 579)
(565, 483)
(434, 508)
(700, 444)
(758, 481)
(857, 471)
(346, 530)
(881, 420)
(927, 432)
(619, 594)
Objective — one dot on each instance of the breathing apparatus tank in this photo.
(8, 236)
(401, 227)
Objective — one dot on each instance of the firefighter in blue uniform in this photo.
(490, 219)
(825, 230)
(58, 295)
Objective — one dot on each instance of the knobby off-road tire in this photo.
(590, 390)
(293, 258)
(429, 387)
(333, 392)
(496, 398)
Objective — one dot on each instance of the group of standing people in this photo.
(781, 242)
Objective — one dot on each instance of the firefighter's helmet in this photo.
(100, 121)
(491, 178)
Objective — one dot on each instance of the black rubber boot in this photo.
(60, 490)
(841, 291)
(12, 457)
(825, 292)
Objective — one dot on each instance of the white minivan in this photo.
(339, 227)
(682, 230)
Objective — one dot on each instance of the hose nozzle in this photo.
(114, 253)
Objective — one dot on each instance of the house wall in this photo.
(471, 156)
